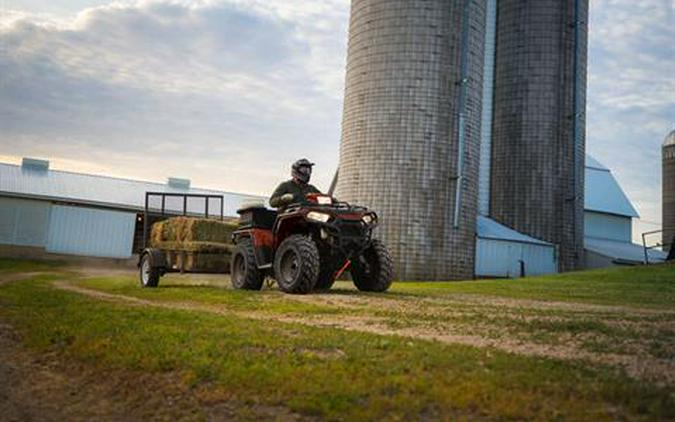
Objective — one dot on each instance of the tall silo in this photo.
(538, 143)
(411, 128)
(669, 189)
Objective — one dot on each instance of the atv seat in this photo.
(257, 217)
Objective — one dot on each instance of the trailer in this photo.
(157, 259)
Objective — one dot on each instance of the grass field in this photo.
(582, 346)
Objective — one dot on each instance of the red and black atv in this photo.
(308, 246)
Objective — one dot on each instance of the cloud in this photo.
(195, 86)
(632, 94)
(229, 92)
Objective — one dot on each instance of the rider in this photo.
(295, 190)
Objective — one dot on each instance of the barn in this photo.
(608, 223)
(45, 212)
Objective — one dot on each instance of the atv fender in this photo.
(263, 244)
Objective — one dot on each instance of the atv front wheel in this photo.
(296, 265)
(243, 269)
(373, 271)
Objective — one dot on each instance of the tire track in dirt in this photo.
(463, 299)
(659, 371)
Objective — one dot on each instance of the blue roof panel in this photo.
(593, 163)
(603, 193)
(106, 191)
(623, 251)
(488, 228)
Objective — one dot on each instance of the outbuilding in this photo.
(45, 211)
(502, 252)
(608, 223)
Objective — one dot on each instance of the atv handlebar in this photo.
(341, 205)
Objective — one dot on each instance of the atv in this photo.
(306, 247)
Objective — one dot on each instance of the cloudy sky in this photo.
(229, 92)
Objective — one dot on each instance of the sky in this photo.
(228, 93)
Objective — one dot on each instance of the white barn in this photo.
(608, 215)
(44, 211)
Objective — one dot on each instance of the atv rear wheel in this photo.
(243, 269)
(296, 265)
(373, 271)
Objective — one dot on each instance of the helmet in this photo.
(302, 170)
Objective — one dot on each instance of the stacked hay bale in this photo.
(195, 244)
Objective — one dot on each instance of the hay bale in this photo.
(156, 233)
(217, 263)
(198, 247)
(189, 229)
(204, 230)
(195, 244)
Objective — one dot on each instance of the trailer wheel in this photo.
(373, 271)
(296, 265)
(243, 269)
(149, 275)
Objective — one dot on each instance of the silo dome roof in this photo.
(670, 139)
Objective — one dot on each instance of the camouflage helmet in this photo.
(302, 170)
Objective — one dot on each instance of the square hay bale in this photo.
(190, 229)
(195, 244)
(156, 233)
(205, 230)
(203, 262)
(198, 247)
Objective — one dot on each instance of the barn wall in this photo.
(91, 232)
(23, 222)
(501, 258)
(607, 226)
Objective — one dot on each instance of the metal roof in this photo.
(487, 228)
(603, 193)
(623, 251)
(595, 164)
(670, 139)
(104, 191)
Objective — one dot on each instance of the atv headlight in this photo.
(318, 216)
(369, 219)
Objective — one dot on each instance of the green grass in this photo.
(652, 286)
(593, 331)
(20, 265)
(329, 373)
(347, 375)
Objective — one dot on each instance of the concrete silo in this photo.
(411, 127)
(669, 189)
(538, 142)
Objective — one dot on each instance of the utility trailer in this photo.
(156, 260)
